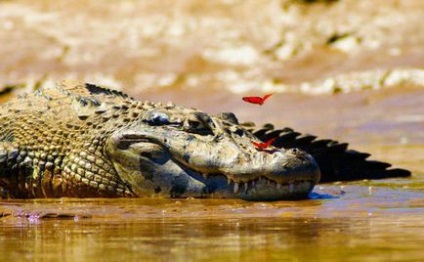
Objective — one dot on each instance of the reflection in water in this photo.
(360, 224)
(229, 239)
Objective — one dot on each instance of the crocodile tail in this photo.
(336, 161)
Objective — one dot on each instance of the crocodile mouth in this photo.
(205, 176)
(252, 186)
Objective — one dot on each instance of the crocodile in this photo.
(82, 140)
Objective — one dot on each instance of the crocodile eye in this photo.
(193, 124)
(157, 118)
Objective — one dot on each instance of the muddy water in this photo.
(207, 55)
(364, 221)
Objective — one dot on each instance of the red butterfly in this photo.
(256, 99)
(263, 145)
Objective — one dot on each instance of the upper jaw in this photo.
(240, 161)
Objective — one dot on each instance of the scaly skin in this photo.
(80, 140)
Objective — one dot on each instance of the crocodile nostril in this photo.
(299, 154)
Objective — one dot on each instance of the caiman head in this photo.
(180, 152)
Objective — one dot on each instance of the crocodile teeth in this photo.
(236, 187)
(279, 186)
(205, 176)
(245, 187)
(228, 181)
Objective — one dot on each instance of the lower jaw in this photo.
(260, 190)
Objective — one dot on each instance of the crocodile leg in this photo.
(15, 170)
(21, 178)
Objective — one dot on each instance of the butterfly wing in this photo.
(253, 99)
(266, 97)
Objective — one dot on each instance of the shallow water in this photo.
(362, 221)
